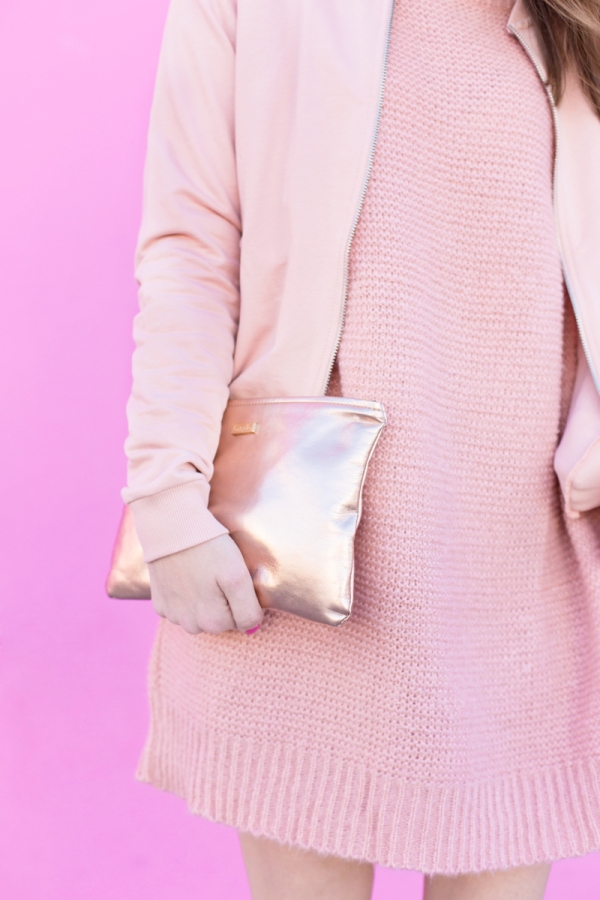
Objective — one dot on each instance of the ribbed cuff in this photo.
(174, 520)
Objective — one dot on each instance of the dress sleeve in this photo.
(187, 266)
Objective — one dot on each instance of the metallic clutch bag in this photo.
(287, 484)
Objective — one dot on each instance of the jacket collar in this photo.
(521, 24)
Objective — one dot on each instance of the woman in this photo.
(349, 198)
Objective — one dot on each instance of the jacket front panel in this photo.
(577, 220)
(260, 142)
(309, 80)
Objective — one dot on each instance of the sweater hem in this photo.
(300, 797)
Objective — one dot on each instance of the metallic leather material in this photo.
(128, 578)
(289, 492)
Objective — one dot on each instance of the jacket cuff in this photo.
(174, 520)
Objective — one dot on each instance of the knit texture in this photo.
(453, 723)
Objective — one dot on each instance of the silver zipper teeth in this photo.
(362, 200)
(538, 69)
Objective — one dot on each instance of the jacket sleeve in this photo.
(187, 266)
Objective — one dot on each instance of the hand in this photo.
(205, 588)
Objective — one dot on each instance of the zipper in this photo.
(526, 47)
(361, 201)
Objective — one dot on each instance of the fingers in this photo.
(206, 588)
(188, 596)
(238, 589)
(211, 613)
(235, 581)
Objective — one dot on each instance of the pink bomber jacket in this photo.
(261, 140)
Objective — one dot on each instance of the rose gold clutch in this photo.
(287, 484)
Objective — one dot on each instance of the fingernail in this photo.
(252, 630)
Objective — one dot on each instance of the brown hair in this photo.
(570, 34)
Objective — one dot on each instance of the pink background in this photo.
(75, 87)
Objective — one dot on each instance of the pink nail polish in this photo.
(252, 630)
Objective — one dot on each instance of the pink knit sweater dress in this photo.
(453, 723)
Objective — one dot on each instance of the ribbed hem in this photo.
(174, 520)
(296, 796)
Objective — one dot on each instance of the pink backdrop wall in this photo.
(75, 86)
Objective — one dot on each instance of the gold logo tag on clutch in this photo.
(245, 428)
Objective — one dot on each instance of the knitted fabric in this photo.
(453, 724)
